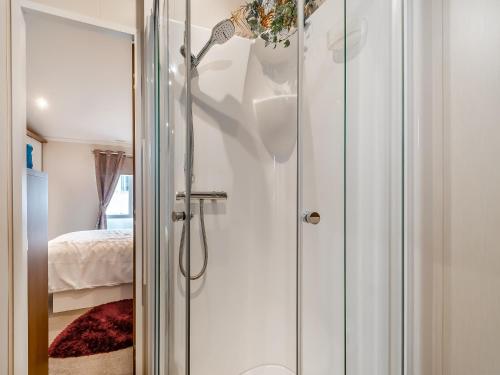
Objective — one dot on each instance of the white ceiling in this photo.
(85, 75)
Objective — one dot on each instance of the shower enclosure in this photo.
(276, 201)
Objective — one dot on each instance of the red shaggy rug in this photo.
(103, 329)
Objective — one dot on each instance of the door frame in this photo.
(5, 191)
(13, 225)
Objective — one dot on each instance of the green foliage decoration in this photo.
(274, 21)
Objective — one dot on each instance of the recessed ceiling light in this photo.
(42, 103)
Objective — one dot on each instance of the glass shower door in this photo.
(322, 191)
(232, 295)
(352, 176)
(279, 174)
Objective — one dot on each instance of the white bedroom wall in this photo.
(73, 200)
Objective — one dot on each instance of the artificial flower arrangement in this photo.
(274, 21)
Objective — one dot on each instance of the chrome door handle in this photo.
(312, 217)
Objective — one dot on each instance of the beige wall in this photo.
(5, 199)
(73, 201)
(472, 189)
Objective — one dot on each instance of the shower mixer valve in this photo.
(201, 196)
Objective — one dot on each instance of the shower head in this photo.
(221, 33)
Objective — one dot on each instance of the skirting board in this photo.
(86, 298)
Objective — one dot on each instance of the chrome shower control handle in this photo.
(312, 217)
(178, 216)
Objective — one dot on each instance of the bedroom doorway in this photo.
(74, 132)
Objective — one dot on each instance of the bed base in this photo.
(87, 298)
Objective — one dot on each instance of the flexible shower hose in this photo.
(204, 246)
(188, 217)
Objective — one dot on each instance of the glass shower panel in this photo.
(173, 103)
(374, 187)
(156, 203)
(322, 191)
(250, 287)
(164, 127)
(242, 316)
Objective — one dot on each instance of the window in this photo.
(120, 210)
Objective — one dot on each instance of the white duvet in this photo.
(90, 259)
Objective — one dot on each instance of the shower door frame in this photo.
(426, 124)
(402, 166)
(5, 191)
(399, 367)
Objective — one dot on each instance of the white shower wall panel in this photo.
(243, 310)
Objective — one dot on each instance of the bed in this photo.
(89, 268)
